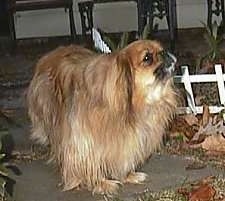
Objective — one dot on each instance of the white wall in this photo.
(111, 17)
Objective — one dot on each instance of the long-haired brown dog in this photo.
(102, 114)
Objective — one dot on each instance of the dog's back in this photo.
(45, 94)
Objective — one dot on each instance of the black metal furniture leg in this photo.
(172, 26)
(223, 14)
(86, 15)
(174, 13)
(151, 15)
(215, 7)
(142, 7)
(149, 9)
(72, 24)
(209, 17)
(12, 29)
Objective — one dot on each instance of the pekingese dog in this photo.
(102, 114)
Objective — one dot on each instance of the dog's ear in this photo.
(125, 80)
(121, 83)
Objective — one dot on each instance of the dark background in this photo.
(4, 28)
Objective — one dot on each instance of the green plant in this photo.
(179, 138)
(213, 40)
(124, 39)
(146, 32)
(3, 175)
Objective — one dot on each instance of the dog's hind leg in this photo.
(38, 134)
(107, 187)
(136, 178)
(72, 184)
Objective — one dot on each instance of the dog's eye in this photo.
(148, 58)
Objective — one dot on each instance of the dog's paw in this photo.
(73, 184)
(107, 187)
(136, 178)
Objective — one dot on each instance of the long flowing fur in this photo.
(99, 122)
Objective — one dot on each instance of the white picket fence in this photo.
(188, 79)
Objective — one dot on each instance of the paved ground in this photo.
(39, 181)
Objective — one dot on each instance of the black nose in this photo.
(166, 68)
(167, 58)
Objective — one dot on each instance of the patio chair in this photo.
(215, 7)
(147, 11)
(26, 5)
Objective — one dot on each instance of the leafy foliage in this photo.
(3, 172)
(213, 40)
(116, 46)
(124, 39)
(146, 32)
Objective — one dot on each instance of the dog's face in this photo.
(151, 67)
(149, 61)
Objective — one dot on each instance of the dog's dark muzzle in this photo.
(167, 67)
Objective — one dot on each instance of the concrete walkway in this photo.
(39, 181)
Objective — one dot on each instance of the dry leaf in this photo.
(207, 180)
(199, 190)
(199, 99)
(214, 143)
(191, 119)
(213, 127)
(205, 115)
(203, 193)
(195, 166)
(183, 191)
(197, 140)
(7, 111)
(182, 127)
(209, 125)
(214, 154)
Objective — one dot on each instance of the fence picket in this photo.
(187, 79)
(220, 83)
(188, 88)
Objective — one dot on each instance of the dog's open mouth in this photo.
(167, 67)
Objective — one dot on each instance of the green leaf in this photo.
(123, 40)
(213, 41)
(2, 187)
(3, 133)
(2, 183)
(146, 32)
(109, 42)
(3, 171)
(2, 156)
(214, 30)
(209, 37)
